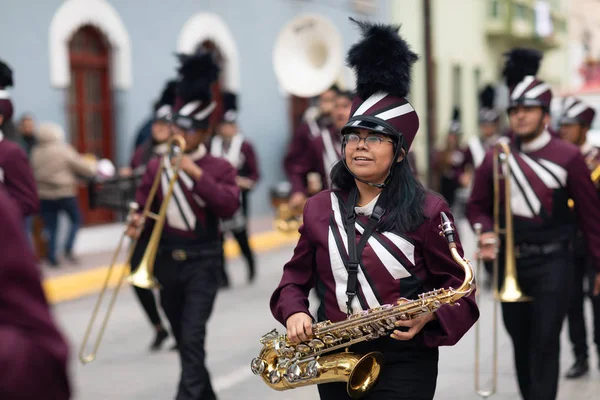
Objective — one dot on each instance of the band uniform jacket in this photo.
(319, 157)
(193, 213)
(545, 173)
(591, 155)
(16, 176)
(33, 354)
(393, 265)
(475, 151)
(240, 154)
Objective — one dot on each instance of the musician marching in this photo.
(546, 172)
(231, 145)
(155, 146)
(378, 205)
(189, 254)
(575, 122)
(16, 175)
(313, 127)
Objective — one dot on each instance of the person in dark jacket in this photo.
(376, 201)
(33, 353)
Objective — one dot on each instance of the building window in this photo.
(494, 8)
(90, 105)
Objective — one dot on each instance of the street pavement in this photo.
(126, 370)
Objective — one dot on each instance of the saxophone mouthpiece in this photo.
(447, 228)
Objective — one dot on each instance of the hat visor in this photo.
(372, 124)
(522, 101)
(569, 121)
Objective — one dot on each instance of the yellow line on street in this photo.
(74, 286)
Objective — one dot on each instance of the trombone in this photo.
(510, 292)
(144, 275)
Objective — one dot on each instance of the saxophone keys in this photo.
(316, 344)
(328, 339)
(293, 373)
(257, 366)
(302, 348)
(274, 377)
(312, 369)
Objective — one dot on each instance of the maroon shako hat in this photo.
(6, 80)
(487, 112)
(382, 62)
(576, 111)
(520, 68)
(194, 103)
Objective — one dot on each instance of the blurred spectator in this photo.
(33, 354)
(27, 132)
(447, 165)
(56, 167)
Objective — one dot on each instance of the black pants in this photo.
(241, 237)
(188, 292)
(407, 374)
(535, 326)
(582, 270)
(145, 296)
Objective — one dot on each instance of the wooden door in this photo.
(90, 107)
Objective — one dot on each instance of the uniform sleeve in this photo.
(443, 272)
(480, 205)
(295, 163)
(20, 182)
(221, 193)
(33, 354)
(143, 190)
(291, 296)
(587, 205)
(251, 162)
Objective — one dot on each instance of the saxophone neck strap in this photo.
(355, 250)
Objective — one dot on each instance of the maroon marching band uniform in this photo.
(392, 264)
(33, 353)
(545, 173)
(240, 154)
(17, 178)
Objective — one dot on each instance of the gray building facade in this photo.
(143, 36)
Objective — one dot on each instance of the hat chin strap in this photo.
(390, 168)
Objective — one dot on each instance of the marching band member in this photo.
(33, 353)
(546, 172)
(16, 175)
(323, 151)
(189, 255)
(489, 133)
(377, 203)
(156, 146)
(447, 162)
(231, 145)
(574, 125)
(312, 128)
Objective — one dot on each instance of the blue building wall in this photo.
(153, 27)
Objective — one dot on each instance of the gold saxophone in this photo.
(284, 365)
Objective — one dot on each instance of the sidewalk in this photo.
(96, 247)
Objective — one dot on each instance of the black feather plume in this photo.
(168, 94)
(382, 60)
(229, 101)
(520, 63)
(6, 75)
(197, 73)
(487, 96)
(456, 114)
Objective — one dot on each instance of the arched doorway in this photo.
(90, 106)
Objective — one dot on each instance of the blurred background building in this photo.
(97, 66)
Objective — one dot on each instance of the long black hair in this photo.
(404, 197)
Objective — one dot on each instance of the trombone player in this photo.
(574, 124)
(546, 172)
(189, 253)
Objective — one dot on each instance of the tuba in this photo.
(510, 292)
(284, 365)
(143, 276)
(308, 55)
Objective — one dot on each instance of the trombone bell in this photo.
(142, 278)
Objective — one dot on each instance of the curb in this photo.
(80, 284)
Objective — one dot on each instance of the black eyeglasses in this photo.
(372, 142)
